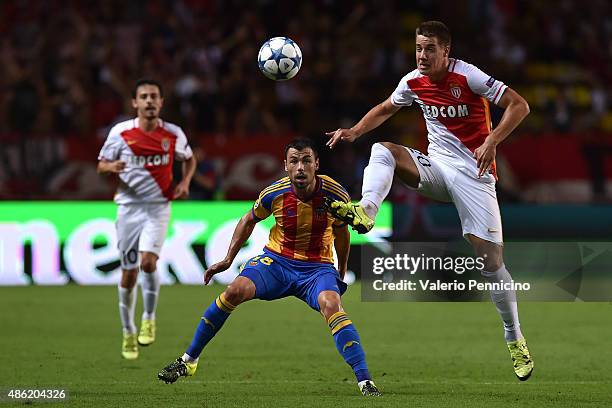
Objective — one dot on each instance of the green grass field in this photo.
(281, 354)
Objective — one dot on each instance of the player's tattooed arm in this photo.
(243, 231)
(110, 167)
(515, 110)
(342, 244)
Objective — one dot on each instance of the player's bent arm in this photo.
(515, 108)
(375, 117)
(102, 167)
(110, 167)
(243, 231)
(189, 168)
(182, 188)
(342, 243)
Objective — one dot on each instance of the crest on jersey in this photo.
(165, 144)
(455, 91)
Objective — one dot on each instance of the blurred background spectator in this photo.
(66, 70)
(205, 184)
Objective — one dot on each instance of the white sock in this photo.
(505, 302)
(377, 179)
(150, 293)
(127, 308)
(188, 359)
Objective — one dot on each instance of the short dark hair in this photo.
(435, 29)
(147, 81)
(301, 144)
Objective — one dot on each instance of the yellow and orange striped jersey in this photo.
(304, 229)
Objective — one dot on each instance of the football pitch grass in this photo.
(281, 354)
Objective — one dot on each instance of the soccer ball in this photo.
(279, 58)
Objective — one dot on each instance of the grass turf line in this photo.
(281, 353)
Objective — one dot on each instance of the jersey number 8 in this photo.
(266, 260)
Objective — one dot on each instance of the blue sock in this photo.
(349, 345)
(212, 321)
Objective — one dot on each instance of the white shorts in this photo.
(140, 228)
(475, 200)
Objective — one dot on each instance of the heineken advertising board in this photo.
(52, 243)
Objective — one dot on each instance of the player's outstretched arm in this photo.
(342, 244)
(373, 119)
(243, 231)
(516, 109)
(110, 167)
(182, 188)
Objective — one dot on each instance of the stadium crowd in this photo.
(66, 70)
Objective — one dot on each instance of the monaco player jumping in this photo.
(460, 166)
(141, 152)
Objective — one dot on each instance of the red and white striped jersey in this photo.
(456, 111)
(148, 156)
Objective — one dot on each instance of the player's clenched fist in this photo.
(346, 135)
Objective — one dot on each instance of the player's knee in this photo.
(490, 253)
(148, 265)
(331, 308)
(492, 258)
(329, 304)
(232, 294)
(493, 261)
(395, 149)
(129, 278)
(236, 293)
(492, 266)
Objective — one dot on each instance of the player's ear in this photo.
(317, 164)
(134, 104)
(285, 161)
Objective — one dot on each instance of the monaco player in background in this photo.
(460, 166)
(141, 152)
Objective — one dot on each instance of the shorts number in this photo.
(421, 158)
(265, 260)
(130, 256)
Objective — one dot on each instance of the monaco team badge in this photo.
(455, 90)
(165, 144)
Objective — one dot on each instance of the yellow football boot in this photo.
(352, 214)
(147, 332)
(523, 364)
(177, 368)
(129, 348)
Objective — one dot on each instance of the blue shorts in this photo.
(276, 277)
